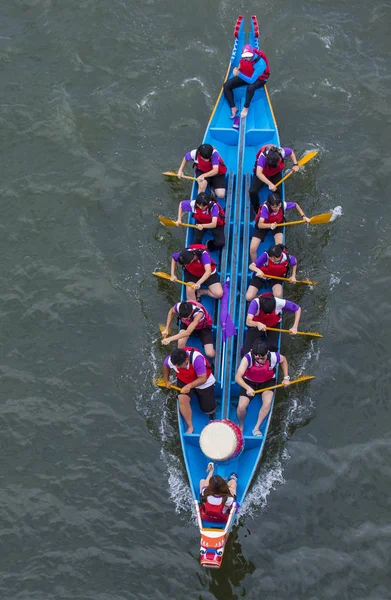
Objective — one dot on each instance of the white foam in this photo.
(145, 101)
(334, 280)
(266, 481)
(337, 88)
(203, 87)
(337, 212)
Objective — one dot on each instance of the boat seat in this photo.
(226, 135)
(259, 137)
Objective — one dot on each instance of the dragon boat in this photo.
(238, 147)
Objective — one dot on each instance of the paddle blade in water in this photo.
(309, 156)
(167, 222)
(318, 219)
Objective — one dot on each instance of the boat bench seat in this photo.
(226, 135)
(260, 137)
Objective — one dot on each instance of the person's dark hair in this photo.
(204, 199)
(273, 199)
(185, 309)
(273, 156)
(205, 150)
(185, 257)
(259, 347)
(178, 357)
(275, 251)
(267, 304)
(217, 487)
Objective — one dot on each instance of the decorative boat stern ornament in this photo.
(221, 440)
(213, 541)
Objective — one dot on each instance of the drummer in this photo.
(276, 262)
(217, 496)
(194, 373)
(257, 371)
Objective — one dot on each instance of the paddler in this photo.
(217, 496)
(268, 168)
(266, 311)
(209, 168)
(257, 371)
(209, 216)
(199, 268)
(268, 218)
(275, 261)
(253, 71)
(193, 373)
(194, 318)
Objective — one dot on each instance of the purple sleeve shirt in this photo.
(214, 158)
(205, 258)
(190, 206)
(281, 306)
(199, 364)
(285, 152)
(265, 212)
(261, 261)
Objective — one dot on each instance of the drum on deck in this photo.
(221, 440)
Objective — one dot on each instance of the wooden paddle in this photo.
(280, 385)
(172, 223)
(163, 275)
(309, 156)
(288, 331)
(160, 382)
(308, 282)
(173, 174)
(316, 220)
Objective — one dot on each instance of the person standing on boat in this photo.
(209, 169)
(268, 218)
(194, 318)
(268, 168)
(275, 261)
(208, 215)
(193, 373)
(199, 268)
(257, 371)
(217, 496)
(253, 71)
(266, 311)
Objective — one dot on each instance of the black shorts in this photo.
(189, 278)
(206, 397)
(205, 334)
(260, 234)
(216, 182)
(256, 386)
(260, 282)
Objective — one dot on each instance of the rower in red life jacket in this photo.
(266, 311)
(209, 169)
(198, 268)
(194, 373)
(217, 496)
(269, 216)
(194, 318)
(209, 216)
(275, 261)
(253, 71)
(268, 168)
(257, 371)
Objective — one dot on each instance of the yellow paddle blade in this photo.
(313, 334)
(307, 281)
(173, 174)
(309, 156)
(162, 328)
(280, 385)
(160, 383)
(163, 275)
(318, 219)
(172, 223)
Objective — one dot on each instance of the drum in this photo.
(221, 440)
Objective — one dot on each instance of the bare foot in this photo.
(190, 429)
(257, 433)
(234, 110)
(244, 112)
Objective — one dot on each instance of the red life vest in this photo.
(203, 217)
(196, 267)
(247, 66)
(188, 374)
(205, 322)
(278, 217)
(267, 170)
(213, 512)
(259, 373)
(279, 269)
(268, 319)
(206, 165)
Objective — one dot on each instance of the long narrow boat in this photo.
(238, 149)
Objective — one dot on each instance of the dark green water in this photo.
(99, 97)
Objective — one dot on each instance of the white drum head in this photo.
(218, 441)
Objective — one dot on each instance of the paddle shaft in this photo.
(287, 279)
(280, 385)
(301, 162)
(172, 387)
(172, 223)
(297, 333)
(173, 174)
(163, 275)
